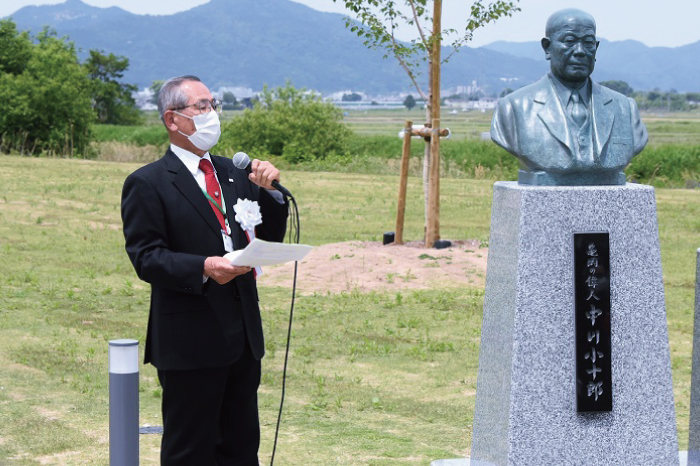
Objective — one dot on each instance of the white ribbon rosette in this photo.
(248, 214)
(248, 217)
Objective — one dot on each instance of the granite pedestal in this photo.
(682, 458)
(525, 412)
(694, 436)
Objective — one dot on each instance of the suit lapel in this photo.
(603, 119)
(552, 113)
(187, 185)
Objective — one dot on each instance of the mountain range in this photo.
(248, 43)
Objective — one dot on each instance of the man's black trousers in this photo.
(210, 416)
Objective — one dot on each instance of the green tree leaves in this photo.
(376, 21)
(155, 90)
(49, 100)
(15, 48)
(45, 103)
(352, 97)
(620, 86)
(112, 99)
(230, 101)
(290, 123)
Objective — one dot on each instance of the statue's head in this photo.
(570, 45)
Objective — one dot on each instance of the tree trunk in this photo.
(433, 205)
(426, 155)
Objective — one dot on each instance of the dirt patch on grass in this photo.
(61, 459)
(104, 226)
(49, 414)
(368, 266)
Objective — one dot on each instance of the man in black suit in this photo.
(204, 329)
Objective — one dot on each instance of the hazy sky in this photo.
(668, 23)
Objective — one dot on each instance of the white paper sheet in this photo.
(259, 253)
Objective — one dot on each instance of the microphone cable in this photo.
(294, 234)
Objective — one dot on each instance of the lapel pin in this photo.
(230, 180)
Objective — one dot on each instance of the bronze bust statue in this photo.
(565, 129)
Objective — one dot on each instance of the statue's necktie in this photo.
(213, 190)
(578, 110)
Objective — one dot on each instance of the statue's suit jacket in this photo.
(170, 229)
(532, 124)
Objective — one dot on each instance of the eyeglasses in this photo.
(206, 106)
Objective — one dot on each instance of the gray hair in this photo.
(171, 94)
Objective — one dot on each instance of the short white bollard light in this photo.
(123, 403)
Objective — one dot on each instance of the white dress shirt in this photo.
(191, 161)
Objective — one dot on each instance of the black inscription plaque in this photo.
(592, 308)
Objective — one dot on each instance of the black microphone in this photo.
(242, 161)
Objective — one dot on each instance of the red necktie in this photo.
(213, 189)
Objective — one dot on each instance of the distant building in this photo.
(472, 89)
(367, 102)
(483, 104)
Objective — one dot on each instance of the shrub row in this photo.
(669, 165)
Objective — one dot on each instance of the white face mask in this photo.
(207, 130)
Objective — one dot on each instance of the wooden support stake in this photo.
(403, 182)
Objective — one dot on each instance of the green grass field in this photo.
(374, 379)
(675, 128)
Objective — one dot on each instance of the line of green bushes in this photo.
(668, 165)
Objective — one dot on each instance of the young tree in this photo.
(409, 102)
(376, 22)
(112, 99)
